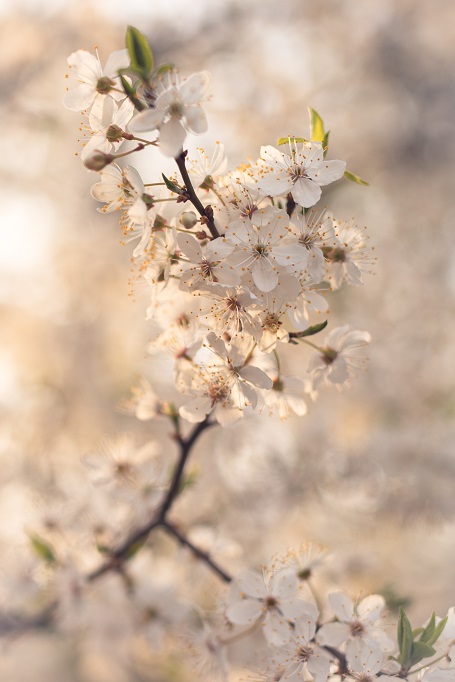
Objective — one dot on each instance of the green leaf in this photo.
(290, 138)
(325, 142)
(404, 638)
(428, 631)
(134, 549)
(437, 631)
(139, 51)
(43, 549)
(416, 632)
(355, 178)
(421, 650)
(171, 185)
(164, 68)
(130, 92)
(311, 331)
(317, 131)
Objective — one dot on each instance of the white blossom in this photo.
(270, 600)
(175, 111)
(342, 353)
(93, 83)
(300, 171)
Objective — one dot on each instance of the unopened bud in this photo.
(201, 235)
(98, 160)
(188, 219)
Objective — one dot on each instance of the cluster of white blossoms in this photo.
(354, 644)
(237, 263)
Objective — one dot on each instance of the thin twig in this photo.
(200, 553)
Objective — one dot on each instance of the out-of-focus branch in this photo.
(199, 553)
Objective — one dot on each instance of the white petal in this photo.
(194, 88)
(172, 137)
(196, 410)
(117, 60)
(244, 611)
(251, 583)
(190, 247)
(276, 629)
(306, 192)
(326, 172)
(264, 275)
(226, 415)
(338, 371)
(318, 665)
(284, 583)
(196, 120)
(79, 98)
(149, 119)
(341, 605)
(218, 248)
(257, 377)
(370, 608)
(333, 634)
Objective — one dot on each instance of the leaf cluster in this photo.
(415, 645)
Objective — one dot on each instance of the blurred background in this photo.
(370, 474)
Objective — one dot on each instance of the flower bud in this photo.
(188, 219)
(98, 160)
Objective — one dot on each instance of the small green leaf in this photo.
(135, 547)
(43, 549)
(325, 142)
(139, 51)
(130, 92)
(188, 481)
(437, 631)
(172, 186)
(355, 178)
(404, 638)
(311, 331)
(416, 632)
(290, 139)
(428, 631)
(421, 650)
(164, 68)
(317, 131)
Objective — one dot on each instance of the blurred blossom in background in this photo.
(370, 473)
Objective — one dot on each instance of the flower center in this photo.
(206, 269)
(304, 653)
(329, 355)
(218, 391)
(176, 109)
(306, 240)
(278, 386)
(357, 628)
(270, 603)
(271, 323)
(261, 249)
(104, 85)
(298, 172)
(336, 255)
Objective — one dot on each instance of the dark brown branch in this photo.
(205, 213)
(127, 548)
(199, 553)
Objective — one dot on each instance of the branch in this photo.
(201, 554)
(126, 549)
(203, 212)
